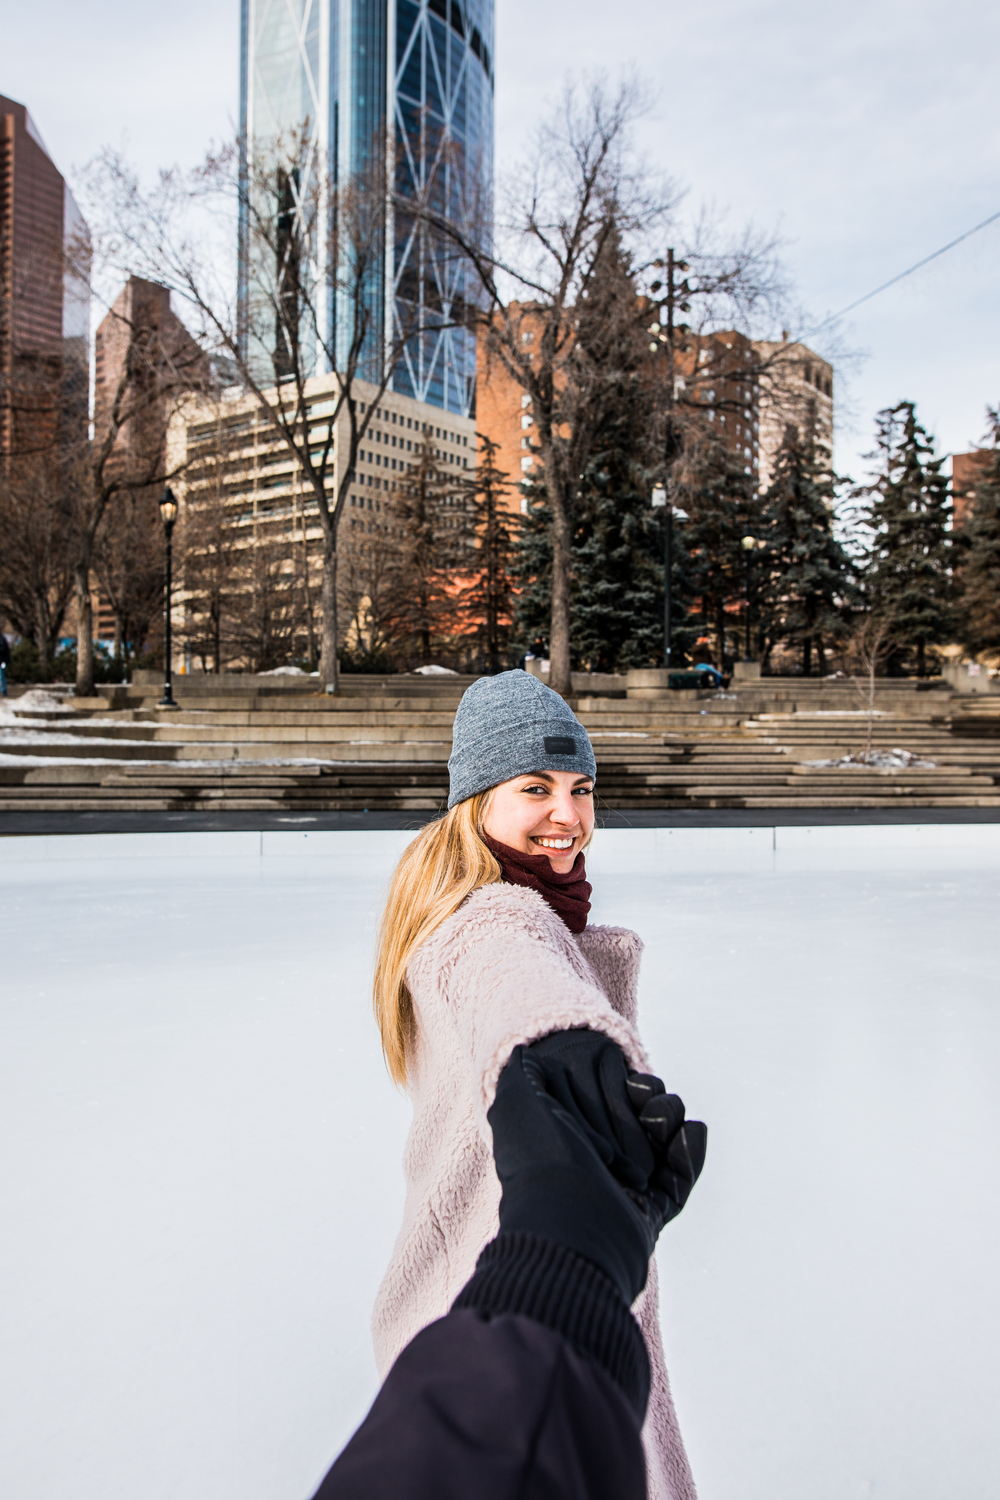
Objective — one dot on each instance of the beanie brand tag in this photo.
(556, 744)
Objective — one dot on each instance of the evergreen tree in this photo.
(981, 570)
(712, 485)
(807, 572)
(616, 539)
(908, 575)
(617, 612)
(616, 615)
(488, 600)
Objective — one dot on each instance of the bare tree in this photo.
(314, 251)
(580, 192)
(128, 558)
(432, 523)
(870, 646)
(368, 586)
(559, 310)
(36, 575)
(155, 368)
(264, 625)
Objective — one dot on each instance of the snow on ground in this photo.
(202, 1166)
(878, 760)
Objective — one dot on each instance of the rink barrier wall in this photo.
(615, 850)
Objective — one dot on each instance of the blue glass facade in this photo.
(348, 71)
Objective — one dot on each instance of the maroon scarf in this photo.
(568, 895)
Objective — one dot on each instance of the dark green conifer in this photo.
(981, 568)
(805, 573)
(616, 608)
(908, 574)
(487, 601)
(713, 487)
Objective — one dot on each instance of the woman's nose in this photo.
(564, 810)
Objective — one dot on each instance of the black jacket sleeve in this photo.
(496, 1407)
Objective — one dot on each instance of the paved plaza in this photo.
(201, 1166)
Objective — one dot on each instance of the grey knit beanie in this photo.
(511, 725)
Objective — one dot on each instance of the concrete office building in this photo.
(238, 472)
(418, 76)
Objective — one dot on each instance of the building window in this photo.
(527, 463)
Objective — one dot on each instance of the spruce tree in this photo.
(981, 570)
(617, 615)
(616, 539)
(807, 574)
(908, 575)
(487, 601)
(712, 486)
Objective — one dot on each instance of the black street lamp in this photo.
(750, 544)
(672, 298)
(168, 514)
(659, 501)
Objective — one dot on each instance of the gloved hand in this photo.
(575, 1162)
(637, 1128)
(679, 1145)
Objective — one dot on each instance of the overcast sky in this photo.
(867, 133)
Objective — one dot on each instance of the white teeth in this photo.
(555, 843)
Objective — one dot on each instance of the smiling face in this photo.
(549, 812)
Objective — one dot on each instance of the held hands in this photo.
(591, 1155)
(637, 1128)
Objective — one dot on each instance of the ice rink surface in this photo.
(201, 1157)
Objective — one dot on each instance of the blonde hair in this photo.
(446, 862)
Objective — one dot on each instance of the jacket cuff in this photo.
(536, 1278)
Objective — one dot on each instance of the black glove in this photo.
(678, 1144)
(637, 1128)
(576, 1164)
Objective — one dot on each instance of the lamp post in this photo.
(168, 515)
(750, 545)
(672, 299)
(658, 500)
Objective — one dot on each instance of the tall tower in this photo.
(44, 296)
(417, 74)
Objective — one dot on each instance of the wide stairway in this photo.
(276, 744)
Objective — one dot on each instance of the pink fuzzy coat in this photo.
(504, 969)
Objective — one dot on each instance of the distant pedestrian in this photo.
(4, 664)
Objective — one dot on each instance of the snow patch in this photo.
(879, 760)
(435, 671)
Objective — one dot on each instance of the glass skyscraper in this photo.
(350, 72)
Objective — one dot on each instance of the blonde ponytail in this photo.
(446, 862)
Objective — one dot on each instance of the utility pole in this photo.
(665, 330)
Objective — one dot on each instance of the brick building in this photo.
(44, 301)
(966, 470)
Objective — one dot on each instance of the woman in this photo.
(484, 945)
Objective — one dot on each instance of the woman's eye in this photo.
(582, 791)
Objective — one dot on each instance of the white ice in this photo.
(201, 1157)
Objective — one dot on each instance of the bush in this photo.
(25, 665)
(375, 663)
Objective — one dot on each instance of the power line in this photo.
(925, 262)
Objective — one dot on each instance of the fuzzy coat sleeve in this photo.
(509, 971)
